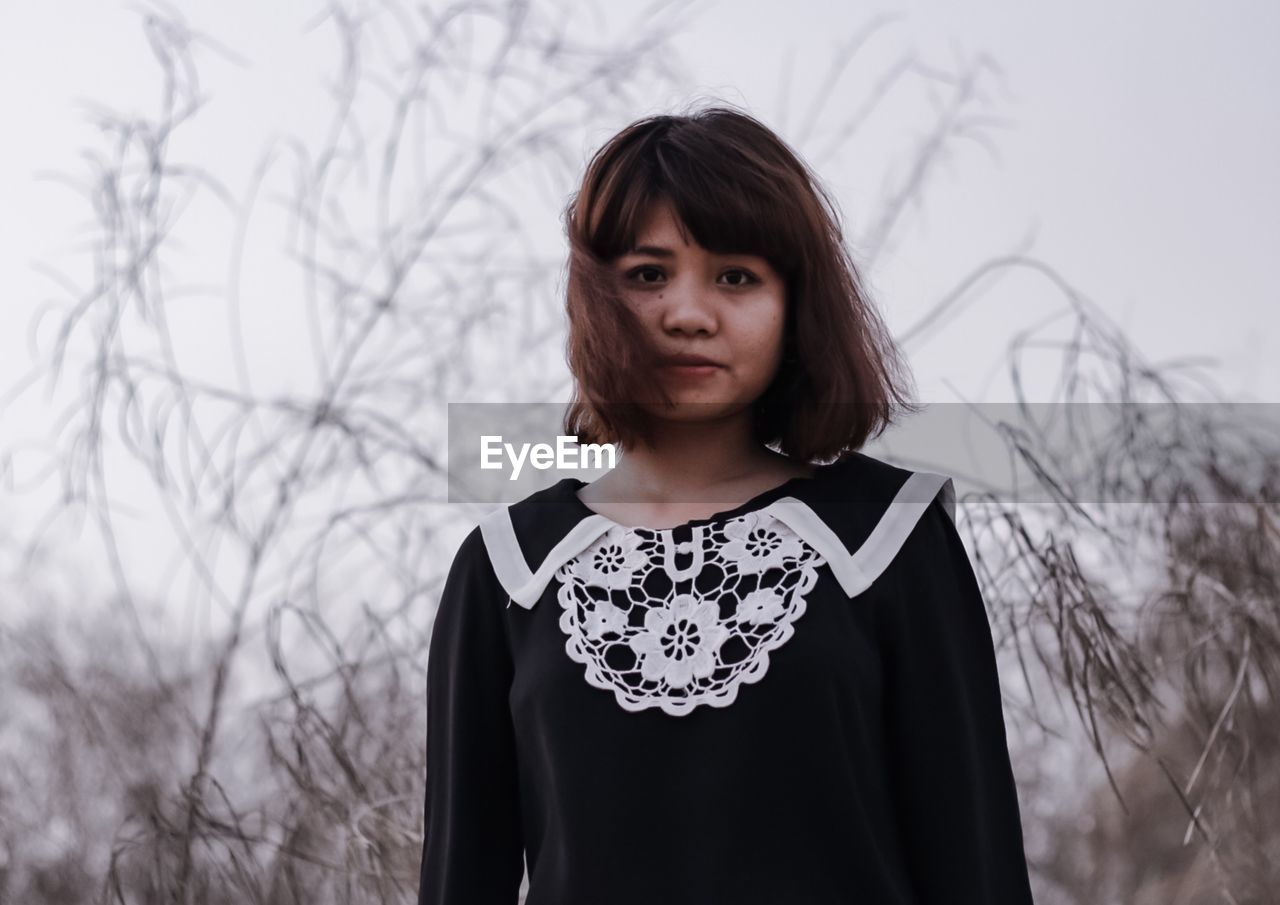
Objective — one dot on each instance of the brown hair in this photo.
(738, 189)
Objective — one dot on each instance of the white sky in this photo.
(1140, 148)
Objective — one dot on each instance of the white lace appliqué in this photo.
(676, 625)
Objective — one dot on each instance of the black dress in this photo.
(791, 702)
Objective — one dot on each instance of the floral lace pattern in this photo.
(674, 624)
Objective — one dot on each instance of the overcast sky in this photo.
(1142, 141)
(1138, 146)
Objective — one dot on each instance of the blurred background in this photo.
(251, 251)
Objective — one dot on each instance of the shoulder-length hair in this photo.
(737, 188)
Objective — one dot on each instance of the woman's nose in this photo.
(688, 307)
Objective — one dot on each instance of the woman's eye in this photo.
(639, 270)
(747, 278)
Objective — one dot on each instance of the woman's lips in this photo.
(691, 372)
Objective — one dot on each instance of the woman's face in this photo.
(728, 308)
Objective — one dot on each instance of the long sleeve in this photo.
(950, 775)
(472, 849)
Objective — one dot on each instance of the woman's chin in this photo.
(695, 407)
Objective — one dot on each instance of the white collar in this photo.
(854, 569)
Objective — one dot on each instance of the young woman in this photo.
(732, 673)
